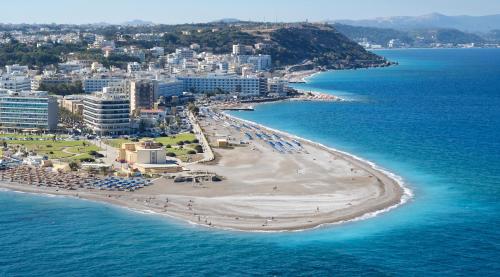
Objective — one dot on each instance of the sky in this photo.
(189, 11)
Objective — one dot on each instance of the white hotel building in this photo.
(107, 113)
(28, 111)
(98, 83)
(243, 86)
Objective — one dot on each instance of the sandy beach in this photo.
(300, 76)
(296, 186)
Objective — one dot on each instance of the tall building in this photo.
(142, 94)
(107, 113)
(236, 49)
(260, 62)
(28, 111)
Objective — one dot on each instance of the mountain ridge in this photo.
(465, 23)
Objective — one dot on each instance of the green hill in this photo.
(322, 45)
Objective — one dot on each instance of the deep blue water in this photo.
(434, 120)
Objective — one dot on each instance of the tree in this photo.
(192, 108)
(142, 125)
(198, 148)
(73, 166)
(63, 89)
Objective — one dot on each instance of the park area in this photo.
(53, 147)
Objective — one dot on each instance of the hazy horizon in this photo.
(195, 11)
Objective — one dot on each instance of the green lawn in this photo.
(173, 140)
(30, 136)
(116, 143)
(74, 150)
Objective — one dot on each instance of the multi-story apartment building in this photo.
(73, 103)
(15, 82)
(143, 94)
(98, 83)
(184, 53)
(243, 86)
(56, 79)
(28, 110)
(107, 113)
(169, 88)
(277, 87)
(133, 67)
(260, 62)
(10, 69)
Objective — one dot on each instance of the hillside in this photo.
(446, 36)
(288, 43)
(324, 46)
(493, 36)
(416, 38)
(375, 35)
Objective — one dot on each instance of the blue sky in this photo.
(187, 11)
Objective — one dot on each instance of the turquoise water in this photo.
(434, 120)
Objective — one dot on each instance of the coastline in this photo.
(406, 193)
(221, 207)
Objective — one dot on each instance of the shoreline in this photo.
(221, 209)
(406, 193)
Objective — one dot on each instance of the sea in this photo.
(434, 120)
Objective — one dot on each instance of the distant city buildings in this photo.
(145, 85)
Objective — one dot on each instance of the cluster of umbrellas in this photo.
(39, 176)
(115, 183)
